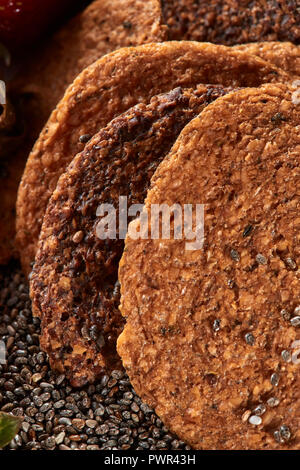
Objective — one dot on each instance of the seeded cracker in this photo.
(284, 55)
(233, 22)
(103, 91)
(227, 387)
(74, 283)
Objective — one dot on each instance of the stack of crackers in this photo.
(174, 103)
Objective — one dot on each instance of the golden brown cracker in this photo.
(109, 87)
(74, 282)
(284, 55)
(212, 334)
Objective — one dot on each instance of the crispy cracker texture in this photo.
(103, 91)
(75, 270)
(284, 55)
(211, 334)
(232, 22)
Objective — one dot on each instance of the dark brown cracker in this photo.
(233, 22)
(74, 283)
(284, 55)
(209, 332)
(103, 91)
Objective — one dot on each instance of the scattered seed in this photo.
(274, 379)
(260, 410)
(255, 420)
(60, 438)
(277, 436)
(261, 259)
(272, 402)
(127, 24)
(78, 237)
(278, 118)
(216, 325)
(246, 416)
(57, 416)
(247, 231)
(249, 339)
(85, 138)
(295, 321)
(286, 355)
(285, 314)
(234, 255)
(285, 432)
(290, 263)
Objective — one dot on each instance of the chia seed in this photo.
(295, 321)
(56, 415)
(285, 314)
(249, 339)
(285, 432)
(274, 379)
(286, 356)
(247, 231)
(272, 402)
(260, 410)
(234, 255)
(216, 325)
(85, 138)
(261, 259)
(255, 420)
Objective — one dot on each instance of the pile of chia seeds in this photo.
(105, 416)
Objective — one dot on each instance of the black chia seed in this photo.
(216, 324)
(234, 255)
(249, 339)
(107, 415)
(274, 379)
(247, 231)
(261, 259)
(85, 138)
(285, 432)
(295, 321)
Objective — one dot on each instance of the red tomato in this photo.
(24, 21)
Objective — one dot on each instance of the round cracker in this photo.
(284, 55)
(232, 22)
(74, 282)
(210, 333)
(103, 91)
